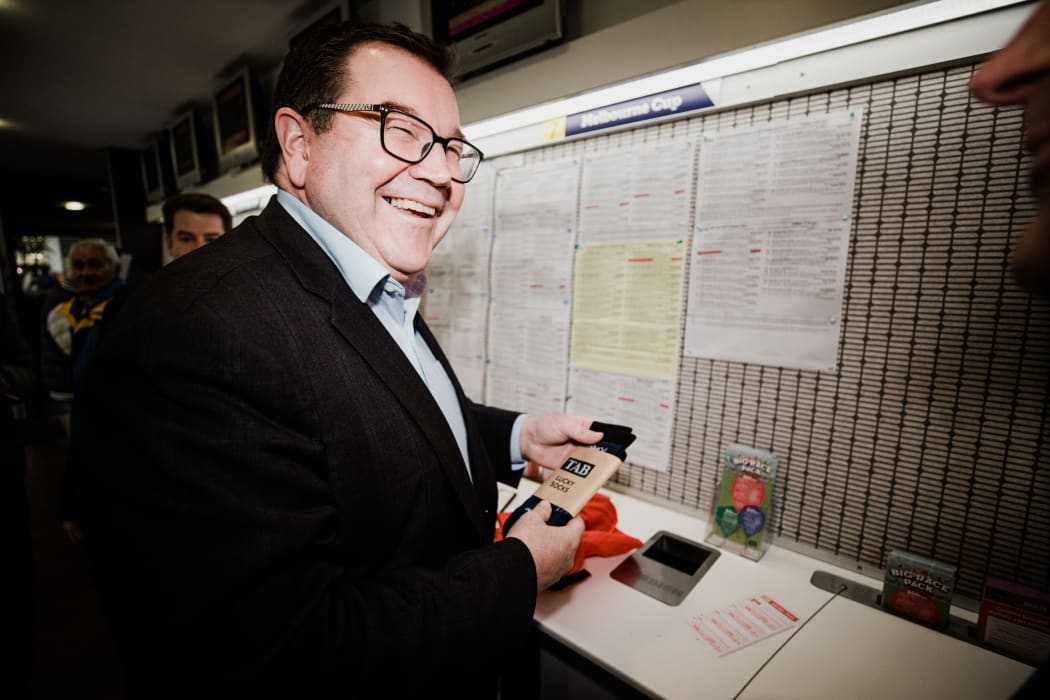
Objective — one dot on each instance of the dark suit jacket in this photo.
(273, 501)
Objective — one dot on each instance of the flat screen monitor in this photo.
(233, 111)
(490, 33)
(185, 157)
(152, 175)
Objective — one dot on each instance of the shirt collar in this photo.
(363, 273)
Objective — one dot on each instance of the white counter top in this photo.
(849, 650)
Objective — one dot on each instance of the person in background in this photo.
(286, 491)
(72, 328)
(193, 220)
(1019, 74)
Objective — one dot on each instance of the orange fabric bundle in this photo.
(601, 537)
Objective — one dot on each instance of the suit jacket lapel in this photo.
(359, 326)
(362, 329)
(483, 476)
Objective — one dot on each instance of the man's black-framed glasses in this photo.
(410, 139)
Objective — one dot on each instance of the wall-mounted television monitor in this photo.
(190, 162)
(152, 172)
(489, 33)
(235, 122)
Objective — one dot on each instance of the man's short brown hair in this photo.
(199, 203)
(314, 72)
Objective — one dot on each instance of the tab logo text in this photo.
(577, 467)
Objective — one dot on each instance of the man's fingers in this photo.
(543, 511)
(577, 524)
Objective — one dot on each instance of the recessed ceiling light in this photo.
(73, 205)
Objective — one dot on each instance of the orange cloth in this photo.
(601, 538)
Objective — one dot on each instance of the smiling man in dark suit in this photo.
(291, 491)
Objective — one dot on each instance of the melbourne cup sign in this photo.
(659, 106)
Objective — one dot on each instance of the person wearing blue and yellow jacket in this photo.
(73, 327)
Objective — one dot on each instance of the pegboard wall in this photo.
(932, 436)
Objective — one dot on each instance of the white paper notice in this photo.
(532, 260)
(638, 194)
(627, 294)
(774, 209)
(741, 624)
(647, 405)
(456, 303)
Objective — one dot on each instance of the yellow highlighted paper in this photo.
(627, 308)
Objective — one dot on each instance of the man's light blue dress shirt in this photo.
(395, 305)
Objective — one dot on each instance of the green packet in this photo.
(919, 587)
(743, 505)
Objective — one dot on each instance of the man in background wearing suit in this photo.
(192, 220)
(291, 492)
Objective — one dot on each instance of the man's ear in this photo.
(291, 130)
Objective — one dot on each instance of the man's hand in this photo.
(548, 440)
(552, 548)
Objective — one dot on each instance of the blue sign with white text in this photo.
(658, 106)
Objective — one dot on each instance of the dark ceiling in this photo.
(78, 77)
